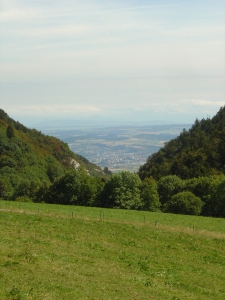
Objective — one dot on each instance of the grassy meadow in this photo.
(67, 252)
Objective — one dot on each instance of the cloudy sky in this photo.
(122, 60)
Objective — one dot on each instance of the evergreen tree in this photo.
(10, 132)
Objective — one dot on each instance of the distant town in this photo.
(118, 148)
(116, 159)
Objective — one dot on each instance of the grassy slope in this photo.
(62, 252)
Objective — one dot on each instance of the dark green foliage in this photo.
(107, 171)
(75, 188)
(184, 203)
(23, 199)
(169, 186)
(7, 161)
(65, 190)
(39, 168)
(194, 153)
(42, 192)
(149, 195)
(198, 157)
(10, 132)
(123, 191)
(3, 188)
(215, 204)
(27, 188)
(207, 189)
(200, 187)
(6, 188)
(54, 171)
(221, 149)
(28, 158)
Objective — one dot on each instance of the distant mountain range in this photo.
(65, 124)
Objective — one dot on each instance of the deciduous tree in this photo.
(184, 203)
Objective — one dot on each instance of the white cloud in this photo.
(199, 102)
(111, 56)
(51, 110)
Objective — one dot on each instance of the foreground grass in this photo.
(62, 252)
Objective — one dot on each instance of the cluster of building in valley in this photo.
(121, 147)
(115, 158)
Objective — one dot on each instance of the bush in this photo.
(169, 186)
(199, 186)
(215, 204)
(184, 203)
(23, 199)
(76, 187)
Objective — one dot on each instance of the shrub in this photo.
(184, 203)
(23, 199)
(215, 204)
(169, 186)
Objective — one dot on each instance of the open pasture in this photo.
(69, 252)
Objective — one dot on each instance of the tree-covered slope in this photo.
(199, 151)
(28, 157)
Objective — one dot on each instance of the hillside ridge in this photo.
(28, 157)
(200, 151)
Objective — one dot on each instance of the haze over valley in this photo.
(116, 147)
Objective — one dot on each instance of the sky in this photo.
(133, 60)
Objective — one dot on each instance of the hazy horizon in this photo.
(131, 61)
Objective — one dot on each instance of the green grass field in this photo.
(67, 252)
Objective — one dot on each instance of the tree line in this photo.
(197, 196)
(185, 176)
(194, 153)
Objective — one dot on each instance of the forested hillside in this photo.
(199, 151)
(29, 159)
(185, 177)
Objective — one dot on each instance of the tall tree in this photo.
(149, 195)
(123, 191)
(10, 132)
(194, 153)
(169, 186)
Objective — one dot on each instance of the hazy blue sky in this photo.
(134, 60)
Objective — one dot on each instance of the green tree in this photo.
(76, 187)
(149, 195)
(27, 188)
(184, 203)
(194, 153)
(123, 191)
(42, 192)
(3, 188)
(6, 160)
(107, 171)
(169, 186)
(65, 190)
(10, 132)
(201, 187)
(215, 204)
(54, 170)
